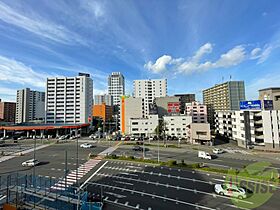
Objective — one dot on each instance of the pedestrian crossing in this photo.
(76, 175)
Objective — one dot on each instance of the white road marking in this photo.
(93, 175)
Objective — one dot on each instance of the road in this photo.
(140, 186)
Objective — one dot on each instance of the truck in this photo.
(204, 155)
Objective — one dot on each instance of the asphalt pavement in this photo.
(148, 187)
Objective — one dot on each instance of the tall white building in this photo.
(30, 105)
(116, 86)
(149, 90)
(69, 99)
(101, 99)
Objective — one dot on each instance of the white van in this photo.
(204, 155)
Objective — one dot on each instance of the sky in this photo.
(194, 44)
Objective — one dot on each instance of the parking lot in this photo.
(144, 186)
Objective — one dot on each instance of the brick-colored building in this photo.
(102, 111)
(7, 111)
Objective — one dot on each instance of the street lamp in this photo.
(77, 164)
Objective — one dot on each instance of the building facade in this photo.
(185, 98)
(102, 111)
(116, 87)
(30, 105)
(144, 127)
(101, 99)
(197, 111)
(257, 128)
(7, 111)
(223, 97)
(176, 126)
(271, 94)
(168, 105)
(130, 108)
(200, 133)
(69, 99)
(149, 90)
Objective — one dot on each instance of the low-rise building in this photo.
(176, 126)
(198, 112)
(200, 133)
(253, 128)
(144, 127)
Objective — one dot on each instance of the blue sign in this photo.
(255, 105)
(268, 104)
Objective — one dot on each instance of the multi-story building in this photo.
(223, 97)
(199, 133)
(7, 111)
(69, 99)
(271, 94)
(176, 126)
(102, 111)
(223, 123)
(130, 108)
(197, 111)
(185, 98)
(116, 87)
(257, 128)
(145, 127)
(168, 105)
(30, 105)
(149, 90)
(101, 99)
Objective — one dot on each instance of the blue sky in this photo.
(194, 44)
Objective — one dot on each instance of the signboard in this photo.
(251, 105)
(173, 107)
(268, 104)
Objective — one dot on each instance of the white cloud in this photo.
(233, 57)
(160, 64)
(13, 71)
(39, 26)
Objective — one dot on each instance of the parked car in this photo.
(62, 137)
(4, 138)
(218, 151)
(204, 155)
(92, 136)
(122, 138)
(73, 137)
(86, 145)
(132, 138)
(127, 138)
(230, 190)
(137, 148)
(30, 163)
(20, 138)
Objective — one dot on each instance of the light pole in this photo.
(77, 165)
(34, 152)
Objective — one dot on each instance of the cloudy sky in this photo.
(194, 44)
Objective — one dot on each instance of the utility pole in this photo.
(66, 168)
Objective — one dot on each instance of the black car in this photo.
(137, 148)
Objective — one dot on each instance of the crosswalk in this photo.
(76, 175)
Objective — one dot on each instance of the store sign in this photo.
(251, 105)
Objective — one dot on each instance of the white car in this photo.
(230, 190)
(218, 151)
(62, 137)
(86, 145)
(204, 155)
(30, 163)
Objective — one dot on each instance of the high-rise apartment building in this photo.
(149, 90)
(7, 111)
(30, 105)
(69, 99)
(116, 86)
(103, 99)
(223, 97)
(271, 94)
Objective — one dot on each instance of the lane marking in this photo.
(92, 175)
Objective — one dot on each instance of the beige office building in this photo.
(273, 94)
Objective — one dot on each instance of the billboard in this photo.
(268, 104)
(251, 105)
(173, 107)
